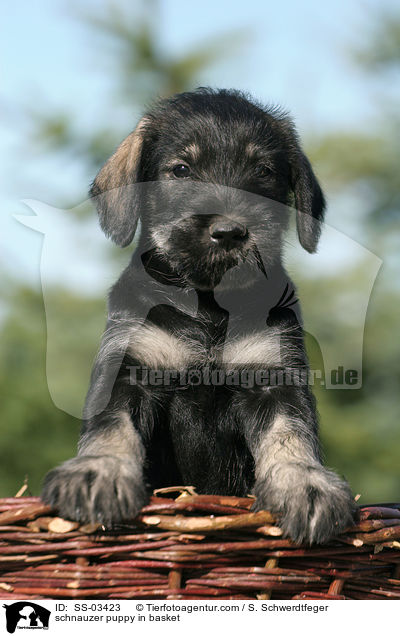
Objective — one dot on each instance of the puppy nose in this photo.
(228, 232)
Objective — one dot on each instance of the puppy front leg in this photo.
(105, 482)
(312, 502)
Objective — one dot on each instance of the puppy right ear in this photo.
(116, 196)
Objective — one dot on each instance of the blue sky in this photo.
(297, 56)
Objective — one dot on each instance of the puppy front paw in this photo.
(313, 504)
(96, 489)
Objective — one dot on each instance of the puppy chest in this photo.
(157, 348)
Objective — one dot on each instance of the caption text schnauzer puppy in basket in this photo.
(195, 380)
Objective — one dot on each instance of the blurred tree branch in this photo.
(369, 159)
(142, 71)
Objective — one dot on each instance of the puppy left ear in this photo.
(309, 202)
(116, 196)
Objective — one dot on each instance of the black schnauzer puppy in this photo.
(201, 377)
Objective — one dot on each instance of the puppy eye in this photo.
(263, 170)
(181, 171)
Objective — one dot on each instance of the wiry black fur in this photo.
(186, 299)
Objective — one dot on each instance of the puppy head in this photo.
(222, 171)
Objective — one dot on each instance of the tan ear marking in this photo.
(116, 198)
(121, 167)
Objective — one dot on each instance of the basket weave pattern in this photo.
(188, 546)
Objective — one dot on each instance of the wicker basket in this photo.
(188, 546)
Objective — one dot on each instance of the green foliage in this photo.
(359, 428)
(367, 165)
(382, 51)
(35, 434)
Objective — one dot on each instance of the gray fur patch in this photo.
(120, 439)
(265, 349)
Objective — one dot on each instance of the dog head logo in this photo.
(26, 615)
(68, 341)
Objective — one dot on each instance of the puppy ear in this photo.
(114, 190)
(309, 202)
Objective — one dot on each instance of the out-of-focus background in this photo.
(77, 78)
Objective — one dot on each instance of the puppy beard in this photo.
(208, 268)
